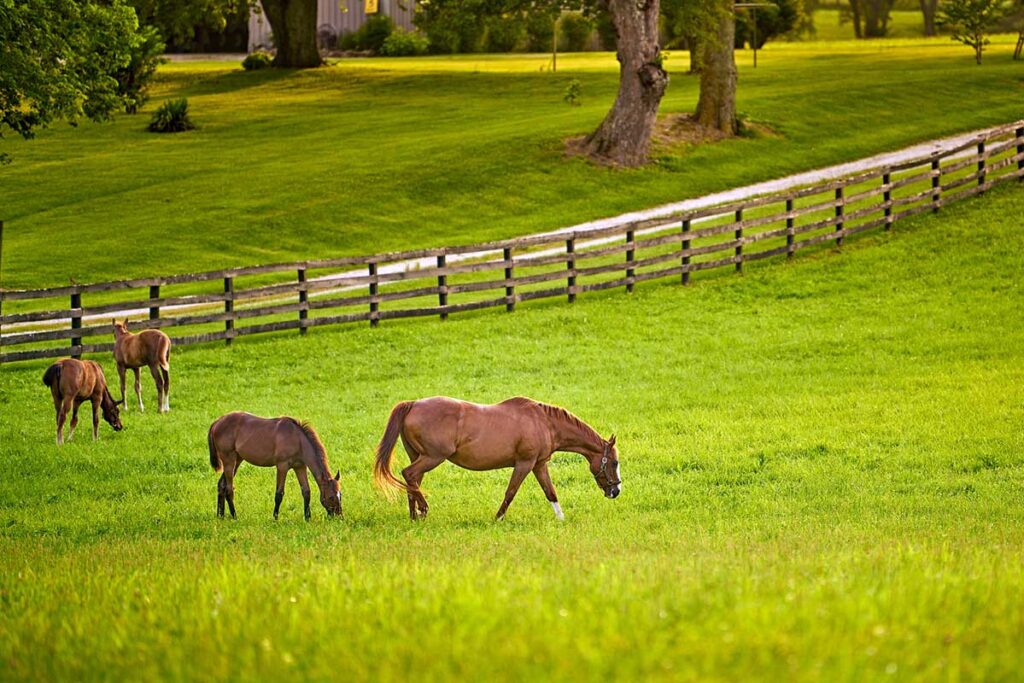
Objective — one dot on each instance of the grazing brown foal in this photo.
(519, 433)
(151, 348)
(281, 442)
(72, 383)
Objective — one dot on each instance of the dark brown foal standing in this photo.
(73, 382)
(282, 442)
(519, 433)
(151, 348)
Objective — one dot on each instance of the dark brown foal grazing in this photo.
(151, 348)
(72, 383)
(282, 442)
(519, 433)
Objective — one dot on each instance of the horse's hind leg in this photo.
(282, 474)
(62, 415)
(300, 474)
(154, 370)
(413, 475)
(120, 375)
(167, 390)
(74, 420)
(230, 468)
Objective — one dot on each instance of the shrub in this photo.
(405, 43)
(572, 93)
(606, 31)
(133, 79)
(375, 31)
(505, 32)
(576, 30)
(540, 31)
(257, 60)
(450, 27)
(171, 117)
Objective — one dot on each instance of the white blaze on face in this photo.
(617, 477)
(558, 511)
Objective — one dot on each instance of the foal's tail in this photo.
(382, 476)
(52, 375)
(215, 462)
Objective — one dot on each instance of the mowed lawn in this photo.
(823, 464)
(385, 154)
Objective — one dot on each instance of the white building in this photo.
(333, 18)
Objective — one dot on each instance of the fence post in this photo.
(686, 258)
(154, 309)
(76, 322)
(887, 199)
(630, 272)
(303, 301)
(1020, 160)
(442, 286)
(739, 247)
(374, 302)
(510, 288)
(790, 235)
(936, 186)
(839, 216)
(981, 164)
(570, 265)
(229, 307)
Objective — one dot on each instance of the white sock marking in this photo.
(558, 511)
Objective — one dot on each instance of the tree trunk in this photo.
(928, 9)
(624, 136)
(855, 10)
(876, 18)
(293, 23)
(692, 46)
(716, 107)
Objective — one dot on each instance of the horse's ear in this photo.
(337, 477)
(125, 323)
(611, 441)
(113, 322)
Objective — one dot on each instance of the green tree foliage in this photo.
(970, 21)
(133, 78)
(59, 60)
(783, 17)
(177, 19)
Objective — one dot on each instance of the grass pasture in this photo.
(822, 481)
(378, 155)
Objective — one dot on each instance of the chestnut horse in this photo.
(151, 348)
(73, 382)
(519, 433)
(282, 442)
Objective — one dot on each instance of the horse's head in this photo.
(605, 468)
(111, 412)
(330, 495)
(120, 328)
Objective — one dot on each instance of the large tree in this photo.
(58, 60)
(625, 134)
(293, 23)
(716, 105)
(929, 9)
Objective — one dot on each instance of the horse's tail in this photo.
(382, 476)
(52, 375)
(215, 462)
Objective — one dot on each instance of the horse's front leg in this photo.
(300, 474)
(544, 479)
(95, 418)
(120, 375)
(138, 388)
(519, 473)
(282, 474)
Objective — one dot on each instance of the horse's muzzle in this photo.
(612, 492)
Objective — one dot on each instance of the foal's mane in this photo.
(559, 413)
(314, 441)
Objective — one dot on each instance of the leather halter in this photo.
(604, 466)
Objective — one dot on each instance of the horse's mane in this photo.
(314, 441)
(558, 413)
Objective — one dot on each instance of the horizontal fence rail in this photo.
(226, 304)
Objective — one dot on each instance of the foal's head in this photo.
(330, 495)
(111, 412)
(120, 328)
(605, 469)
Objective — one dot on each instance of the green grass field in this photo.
(822, 466)
(384, 154)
